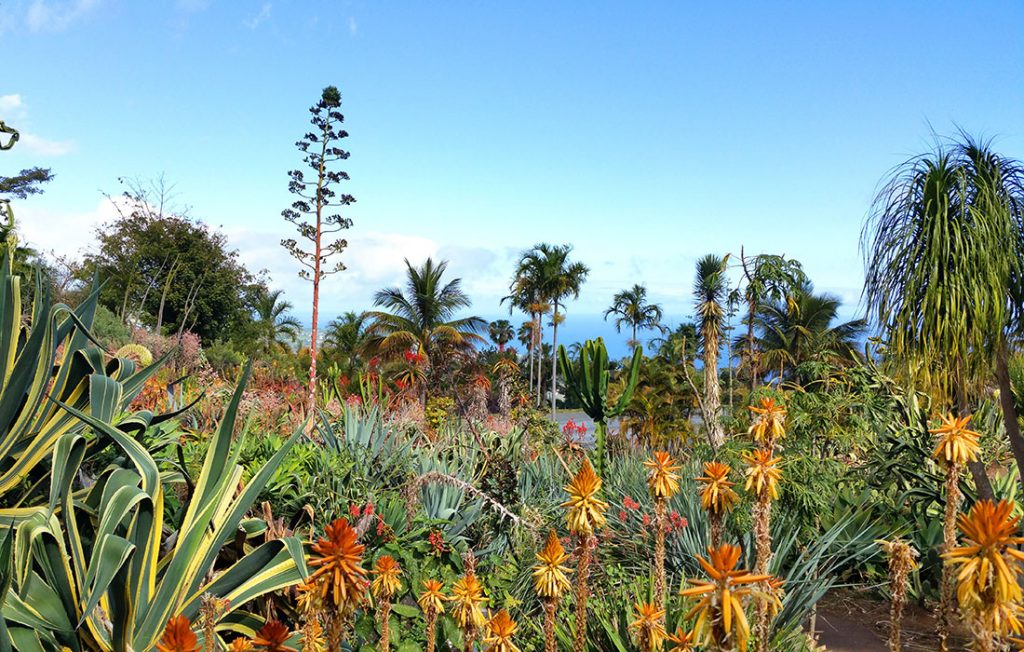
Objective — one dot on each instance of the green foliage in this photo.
(53, 359)
(224, 358)
(148, 259)
(109, 329)
(589, 384)
(68, 564)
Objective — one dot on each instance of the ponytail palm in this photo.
(945, 257)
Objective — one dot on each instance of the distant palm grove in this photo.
(186, 466)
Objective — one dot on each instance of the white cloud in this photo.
(66, 233)
(11, 104)
(259, 18)
(45, 147)
(353, 26)
(56, 15)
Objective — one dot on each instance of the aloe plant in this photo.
(91, 572)
(589, 384)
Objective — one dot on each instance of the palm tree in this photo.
(276, 329)
(944, 253)
(768, 278)
(344, 339)
(710, 290)
(800, 329)
(422, 317)
(525, 293)
(560, 278)
(501, 333)
(632, 309)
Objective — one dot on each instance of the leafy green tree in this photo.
(277, 330)
(311, 212)
(632, 309)
(501, 333)
(169, 270)
(422, 318)
(709, 290)
(29, 181)
(945, 263)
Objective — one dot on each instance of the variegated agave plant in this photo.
(90, 571)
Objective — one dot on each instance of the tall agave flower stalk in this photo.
(339, 578)
(585, 516)
(722, 623)
(763, 475)
(902, 561)
(990, 565)
(500, 629)
(717, 497)
(467, 598)
(431, 602)
(384, 587)
(662, 483)
(550, 583)
(649, 626)
(956, 447)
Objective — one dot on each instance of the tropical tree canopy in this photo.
(632, 309)
(422, 317)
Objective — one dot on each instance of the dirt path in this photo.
(849, 621)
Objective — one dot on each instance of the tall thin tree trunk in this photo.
(751, 356)
(712, 392)
(554, 365)
(1009, 407)
(530, 347)
(540, 356)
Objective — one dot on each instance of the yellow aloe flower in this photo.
(586, 510)
(649, 627)
(682, 641)
(989, 561)
(467, 596)
(662, 479)
(720, 611)
(337, 558)
(763, 474)
(386, 573)
(716, 494)
(549, 575)
(769, 421)
(957, 444)
(432, 597)
(501, 628)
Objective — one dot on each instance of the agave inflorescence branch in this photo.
(662, 483)
(585, 516)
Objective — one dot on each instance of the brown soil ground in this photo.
(850, 621)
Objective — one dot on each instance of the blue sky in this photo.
(645, 134)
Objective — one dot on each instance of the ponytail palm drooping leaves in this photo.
(944, 260)
(423, 318)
